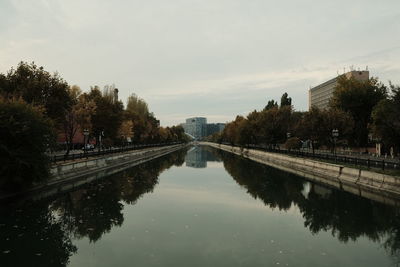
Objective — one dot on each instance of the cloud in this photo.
(211, 58)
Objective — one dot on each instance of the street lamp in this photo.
(335, 135)
(101, 134)
(85, 135)
(287, 145)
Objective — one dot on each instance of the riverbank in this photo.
(69, 175)
(376, 186)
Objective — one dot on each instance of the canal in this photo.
(200, 207)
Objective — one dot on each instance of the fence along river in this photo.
(200, 207)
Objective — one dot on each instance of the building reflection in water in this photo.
(197, 157)
(43, 233)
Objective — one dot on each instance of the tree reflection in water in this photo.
(40, 233)
(346, 216)
(33, 236)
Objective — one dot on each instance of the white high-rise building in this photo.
(196, 127)
(320, 95)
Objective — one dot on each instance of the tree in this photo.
(386, 119)
(38, 87)
(271, 104)
(125, 130)
(274, 124)
(79, 116)
(293, 143)
(317, 125)
(285, 100)
(230, 132)
(109, 113)
(254, 124)
(340, 120)
(358, 98)
(178, 134)
(244, 133)
(25, 136)
(137, 106)
(312, 126)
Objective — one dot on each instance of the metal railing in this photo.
(113, 150)
(352, 160)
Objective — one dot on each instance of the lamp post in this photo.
(335, 135)
(100, 137)
(85, 134)
(287, 144)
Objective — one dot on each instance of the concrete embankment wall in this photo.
(376, 186)
(69, 175)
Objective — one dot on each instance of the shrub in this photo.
(293, 143)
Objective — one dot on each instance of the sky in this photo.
(211, 58)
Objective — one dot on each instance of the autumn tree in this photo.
(137, 106)
(78, 118)
(126, 130)
(178, 134)
(230, 132)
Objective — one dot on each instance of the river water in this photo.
(200, 207)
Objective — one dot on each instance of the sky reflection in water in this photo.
(177, 212)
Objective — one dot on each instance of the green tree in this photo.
(312, 126)
(254, 124)
(109, 113)
(317, 125)
(285, 100)
(386, 119)
(38, 87)
(358, 98)
(274, 124)
(340, 120)
(25, 136)
(271, 104)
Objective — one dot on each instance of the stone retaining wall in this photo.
(376, 186)
(66, 176)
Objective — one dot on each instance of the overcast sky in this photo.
(212, 58)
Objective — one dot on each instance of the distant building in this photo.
(320, 95)
(196, 127)
(196, 158)
(199, 128)
(214, 128)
